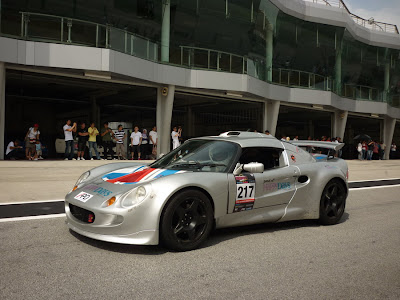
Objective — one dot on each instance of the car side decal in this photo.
(245, 192)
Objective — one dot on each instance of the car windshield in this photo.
(200, 155)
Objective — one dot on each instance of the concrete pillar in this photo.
(338, 69)
(269, 39)
(2, 108)
(165, 29)
(165, 104)
(339, 123)
(270, 116)
(388, 131)
(386, 82)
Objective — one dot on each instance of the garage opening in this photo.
(303, 122)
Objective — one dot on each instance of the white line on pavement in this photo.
(374, 187)
(373, 180)
(32, 218)
(32, 202)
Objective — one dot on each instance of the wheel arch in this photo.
(202, 190)
(342, 182)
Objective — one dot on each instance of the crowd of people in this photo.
(142, 145)
(369, 150)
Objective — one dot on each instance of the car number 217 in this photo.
(245, 191)
(82, 196)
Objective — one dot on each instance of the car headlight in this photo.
(81, 179)
(135, 197)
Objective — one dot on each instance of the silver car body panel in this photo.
(279, 196)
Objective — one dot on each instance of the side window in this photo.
(270, 157)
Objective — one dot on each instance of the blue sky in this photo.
(387, 11)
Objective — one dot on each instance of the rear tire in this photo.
(187, 220)
(333, 203)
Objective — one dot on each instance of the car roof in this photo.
(247, 139)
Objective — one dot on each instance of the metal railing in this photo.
(362, 92)
(297, 78)
(370, 23)
(42, 27)
(49, 28)
(202, 58)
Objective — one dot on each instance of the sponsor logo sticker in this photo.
(98, 190)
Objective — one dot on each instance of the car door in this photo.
(275, 186)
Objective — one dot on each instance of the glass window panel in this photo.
(83, 33)
(117, 39)
(43, 27)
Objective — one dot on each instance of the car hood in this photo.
(137, 174)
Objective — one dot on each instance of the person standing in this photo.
(119, 137)
(364, 150)
(359, 150)
(145, 144)
(340, 152)
(107, 134)
(296, 138)
(69, 140)
(31, 137)
(267, 132)
(393, 149)
(83, 136)
(370, 152)
(38, 150)
(93, 133)
(175, 134)
(153, 141)
(14, 150)
(383, 148)
(136, 140)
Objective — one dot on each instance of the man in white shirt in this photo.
(175, 134)
(69, 140)
(13, 150)
(153, 140)
(153, 136)
(136, 141)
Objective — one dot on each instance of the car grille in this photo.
(81, 214)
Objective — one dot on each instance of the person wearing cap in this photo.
(30, 141)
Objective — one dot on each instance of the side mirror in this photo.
(254, 167)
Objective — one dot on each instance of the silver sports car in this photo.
(237, 178)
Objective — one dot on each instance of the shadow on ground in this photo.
(218, 236)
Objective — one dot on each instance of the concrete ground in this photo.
(356, 259)
(27, 181)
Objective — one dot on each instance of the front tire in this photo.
(187, 220)
(333, 203)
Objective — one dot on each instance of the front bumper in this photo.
(145, 237)
(137, 225)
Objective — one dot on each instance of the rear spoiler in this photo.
(318, 144)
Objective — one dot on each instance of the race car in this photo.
(234, 179)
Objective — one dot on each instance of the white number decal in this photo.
(82, 196)
(245, 191)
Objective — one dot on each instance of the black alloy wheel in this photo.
(333, 202)
(187, 220)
